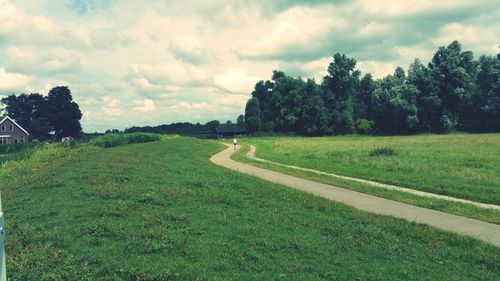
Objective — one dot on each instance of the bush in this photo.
(13, 148)
(112, 140)
(364, 126)
(383, 151)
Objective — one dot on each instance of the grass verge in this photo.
(457, 165)
(466, 210)
(162, 211)
(112, 140)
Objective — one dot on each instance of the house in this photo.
(11, 132)
(225, 132)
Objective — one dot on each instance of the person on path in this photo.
(235, 142)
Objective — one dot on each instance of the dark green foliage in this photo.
(313, 120)
(339, 86)
(395, 109)
(241, 120)
(64, 114)
(252, 116)
(112, 140)
(454, 92)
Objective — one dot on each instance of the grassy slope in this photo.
(459, 165)
(161, 210)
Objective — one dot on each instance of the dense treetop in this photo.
(453, 92)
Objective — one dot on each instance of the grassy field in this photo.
(459, 165)
(162, 211)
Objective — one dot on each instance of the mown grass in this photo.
(458, 165)
(112, 140)
(162, 211)
(461, 209)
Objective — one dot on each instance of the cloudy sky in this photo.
(131, 63)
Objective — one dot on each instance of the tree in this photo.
(240, 121)
(313, 116)
(263, 93)
(287, 95)
(395, 109)
(429, 105)
(453, 72)
(29, 111)
(210, 126)
(339, 86)
(486, 100)
(63, 113)
(364, 98)
(252, 116)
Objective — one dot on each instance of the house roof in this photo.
(15, 123)
(222, 130)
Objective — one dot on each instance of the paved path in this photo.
(484, 231)
(251, 155)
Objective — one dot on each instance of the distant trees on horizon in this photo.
(453, 92)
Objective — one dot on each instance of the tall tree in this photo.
(429, 105)
(63, 113)
(263, 93)
(486, 101)
(339, 85)
(364, 98)
(287, 95)
(453, 71)
(313, 116)
(252, 116)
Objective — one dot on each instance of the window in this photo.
(21, 140)
(16, 139)
(4, 128)
(11, 127)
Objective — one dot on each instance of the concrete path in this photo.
(251, 155)
(484, 231)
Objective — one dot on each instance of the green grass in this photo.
(461, 209)
(162, 211)
(112, 140)
(458, 165)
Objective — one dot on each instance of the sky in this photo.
(130, 63)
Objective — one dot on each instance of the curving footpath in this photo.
(487, 232)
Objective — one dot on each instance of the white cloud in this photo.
(146, 105)
(170, 73)
(398, 8)
(377, 69)
(236, 80)
(199, 60)
(13, 81)
(37, 61)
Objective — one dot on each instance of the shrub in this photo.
(383, 151)
(14, 148)
(364, 126)
(112, 140)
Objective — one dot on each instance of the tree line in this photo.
(184, 128)
(53, 116)
(453, 92)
